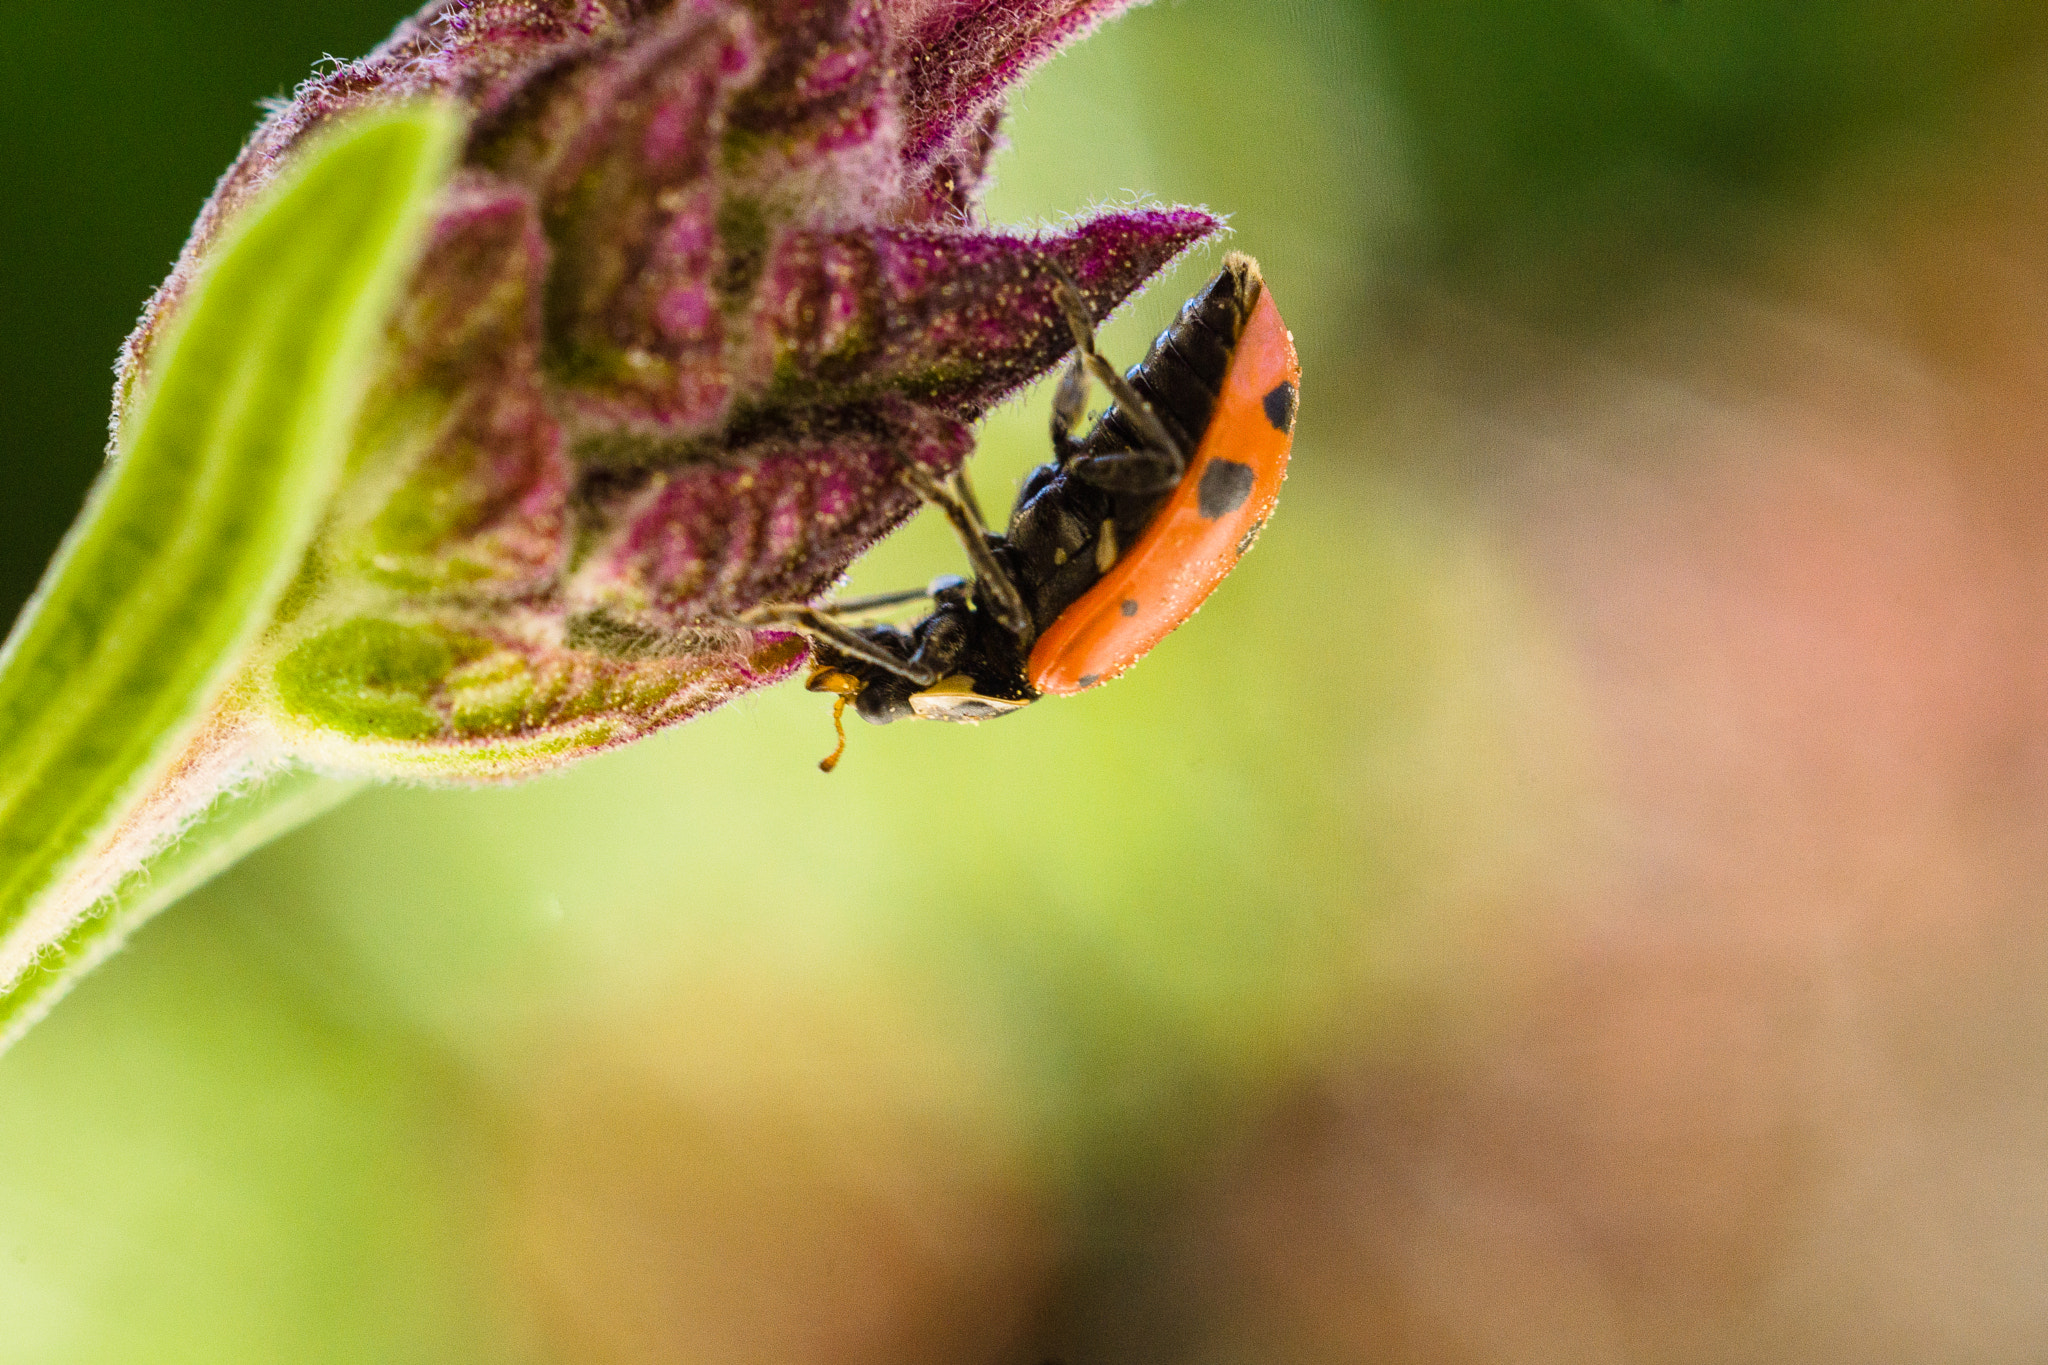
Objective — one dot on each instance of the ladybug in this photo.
(1111, 544)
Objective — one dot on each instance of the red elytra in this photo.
(1196, 538)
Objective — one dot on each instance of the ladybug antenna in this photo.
(831, 760)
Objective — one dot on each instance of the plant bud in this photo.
(709, 274)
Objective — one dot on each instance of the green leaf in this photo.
(193, 534)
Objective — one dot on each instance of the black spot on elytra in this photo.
(1225, 486)
(1280, 406)
(1090, 679)
(1130, 608)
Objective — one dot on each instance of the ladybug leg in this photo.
(849, 606)
(1133, 471)
(1161, 462)
(818, 623)
(964, 490)
(1069, 406)
(990, 577)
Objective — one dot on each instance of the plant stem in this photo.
(245, 815)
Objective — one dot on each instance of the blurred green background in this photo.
(1573, 895)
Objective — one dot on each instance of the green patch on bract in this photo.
(743, 245)
(373, 679)
(417, 539)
